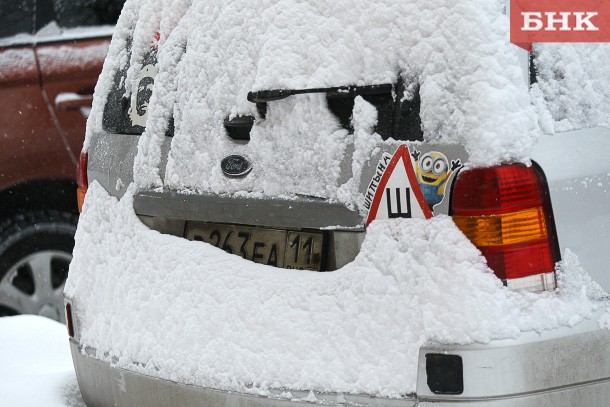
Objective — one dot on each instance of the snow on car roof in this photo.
(572, 90)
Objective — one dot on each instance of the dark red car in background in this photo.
(51, 53)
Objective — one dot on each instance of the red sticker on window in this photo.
(155, 41)
(559, 21)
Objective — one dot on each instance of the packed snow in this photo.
(572, 89)
(457, 53)
(199, 315)
(36, 369)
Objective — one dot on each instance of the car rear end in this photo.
(504, 210)
(508, 211)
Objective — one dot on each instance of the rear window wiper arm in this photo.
(264, 96)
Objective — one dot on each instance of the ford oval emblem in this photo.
(235, 165)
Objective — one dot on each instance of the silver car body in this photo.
(569, 366)
(566, 366)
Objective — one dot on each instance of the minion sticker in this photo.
(433, 172)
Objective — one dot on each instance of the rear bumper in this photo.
(102, 384)
(564, 367)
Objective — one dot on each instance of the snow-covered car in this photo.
(346, 203)
(51, 54)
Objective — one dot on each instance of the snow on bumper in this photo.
(187, 312)
(103, 384)
(563, 367)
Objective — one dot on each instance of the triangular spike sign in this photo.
(398, 194)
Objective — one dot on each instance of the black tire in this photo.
(35, 252)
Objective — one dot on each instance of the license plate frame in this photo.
(285, 248)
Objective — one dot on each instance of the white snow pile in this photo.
(457, 53)
(198, 315)
(36, 369)
(573, 90)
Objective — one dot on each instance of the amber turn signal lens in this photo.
(509, 228)
(81, 180)
(506, 212)
(80, 198)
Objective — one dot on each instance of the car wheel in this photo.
(35, 253)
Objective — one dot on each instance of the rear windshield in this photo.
(310, 144)
(398, 112)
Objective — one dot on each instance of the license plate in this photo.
(289, 249)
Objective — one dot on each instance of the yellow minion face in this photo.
(432, 168)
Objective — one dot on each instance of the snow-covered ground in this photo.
(35, 364)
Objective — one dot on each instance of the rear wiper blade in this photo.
(264, 96)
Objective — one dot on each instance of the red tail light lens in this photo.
(506, 212)
(81, 180)
(69, 322)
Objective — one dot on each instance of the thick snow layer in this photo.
(36, 368)
(457, 53)
(573, 88)
(192, 313)
(117, 57)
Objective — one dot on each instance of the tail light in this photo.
(506, 212)
(81, 180)
(69, 322)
